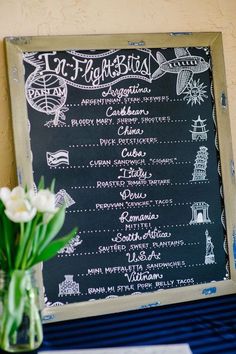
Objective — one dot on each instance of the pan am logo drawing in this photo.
(46, 92)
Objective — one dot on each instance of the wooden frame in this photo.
(16, 46)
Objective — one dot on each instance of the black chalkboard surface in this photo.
(131, 136)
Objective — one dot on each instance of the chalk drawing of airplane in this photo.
(184, 65)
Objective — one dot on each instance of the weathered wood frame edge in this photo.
(16, 46)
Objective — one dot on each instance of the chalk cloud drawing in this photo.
(199, 213)
(57, 158)
(184, 65)
(200, 164)
(210, 256)
(199, 131)
(46, 92)
(52, 304)
(195, 92)
(70, 248)
(68, 286)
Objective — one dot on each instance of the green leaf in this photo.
(38, 233)
(52, 187)
(24, 235)
(53, 227)
(41, 184)
(9, 230)
(2, 207)
(52, 249)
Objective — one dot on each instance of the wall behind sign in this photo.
(58, 17)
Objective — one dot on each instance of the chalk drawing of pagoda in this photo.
(200, 165)
(68, 286)
(199, 132)
(63, 199)
(199, 213)
(210, 256)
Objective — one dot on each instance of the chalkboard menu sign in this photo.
(135, 130)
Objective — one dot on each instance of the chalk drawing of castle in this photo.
(199, 213)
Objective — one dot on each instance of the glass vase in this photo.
(20, 322)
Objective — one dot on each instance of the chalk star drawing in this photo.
(199, 213)
(210, 256)
(184, 65)
(200, 164)
(63, 198)
(71, 246)
(68, 286)
(46, 92)
(199, 131)
(195, 92)
(60, 157)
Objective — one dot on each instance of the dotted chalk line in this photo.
(144, 185)
(141, 163)
(175, 100)
(96, 231)
(188, 183)
(134, 143)
(98, 124)
(151, 205)
(117, 250)
(192, 243)
(185, 225)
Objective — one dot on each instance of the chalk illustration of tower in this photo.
(199, 132)
(68, 286)
(210, 256)
(200, 165)
(199, 213)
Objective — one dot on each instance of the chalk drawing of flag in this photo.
(57, 158)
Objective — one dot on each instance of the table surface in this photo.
(209, 326)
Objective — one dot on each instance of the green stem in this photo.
(28, 244)
(5, 331)
(21, 247)
(7, 245)
(31, 319)
(36, 243)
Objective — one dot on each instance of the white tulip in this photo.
(4, 194)
(7, 195)
(44, 201)
(20, 210)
